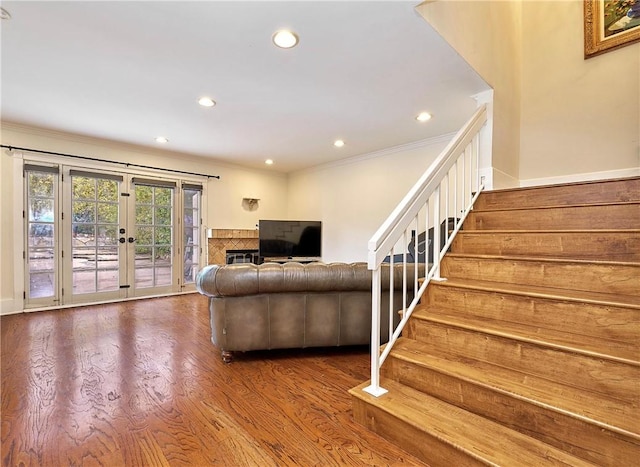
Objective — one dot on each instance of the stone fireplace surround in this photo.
(221, 240)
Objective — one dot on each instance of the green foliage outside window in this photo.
(40, 184)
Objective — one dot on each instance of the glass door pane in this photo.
(96, 256)
(191, 234)
(42, 235)
(154, 241)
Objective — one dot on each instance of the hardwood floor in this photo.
(139, 383)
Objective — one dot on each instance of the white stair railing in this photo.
(439, 202)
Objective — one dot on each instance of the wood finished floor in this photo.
(140, 384)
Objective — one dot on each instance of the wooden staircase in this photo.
(529, 352)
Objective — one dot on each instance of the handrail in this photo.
(428, 200)
(407, 208)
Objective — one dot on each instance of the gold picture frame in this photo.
(610, 24)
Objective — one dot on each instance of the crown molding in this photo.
(89, 140)
(380, 153)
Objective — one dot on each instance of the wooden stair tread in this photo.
(569, 217)
(554, 231)
(606, 412)
(598, 298)
(612, 191)
(600, 276)
(481, 439)
(545, 259)
(609, 377)
(627, 352)
(607, 245)
(557, 206)
(581, 183)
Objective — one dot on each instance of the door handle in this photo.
(131, 239)
(122, 239)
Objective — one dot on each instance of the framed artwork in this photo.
(609, 24)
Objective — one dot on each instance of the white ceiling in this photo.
(131, 71)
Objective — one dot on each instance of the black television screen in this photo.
(290, 239)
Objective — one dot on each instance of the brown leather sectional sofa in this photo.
(293, 305)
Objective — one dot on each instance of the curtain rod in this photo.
(11, 148)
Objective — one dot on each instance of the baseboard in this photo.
(11, 307)
(8, 307)
(583, 177)
(502, 180)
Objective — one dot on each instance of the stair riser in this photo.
(611, 378)
(611, 246)
(571, 434)
(614, 191)
(421, 444)
(607, 322)
(608, 217)
(614, 279)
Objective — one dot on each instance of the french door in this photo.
(41, 226)
(97, 236)
(93, 257)
(151, 243)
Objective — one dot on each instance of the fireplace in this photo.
(242, 256)
(222, 240)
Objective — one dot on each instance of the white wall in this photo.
(354, 197)
(6, 234)
(487, 34)
(224, 196)
(558, 117)
(579, 116)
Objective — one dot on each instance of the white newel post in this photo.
(374, 388)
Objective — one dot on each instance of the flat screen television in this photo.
(290, 239)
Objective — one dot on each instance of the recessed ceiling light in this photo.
(161, 139)
(338, 143)
(206, 102)
(4, 14)
(269, 162)
(285, 39)
(423, 116)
